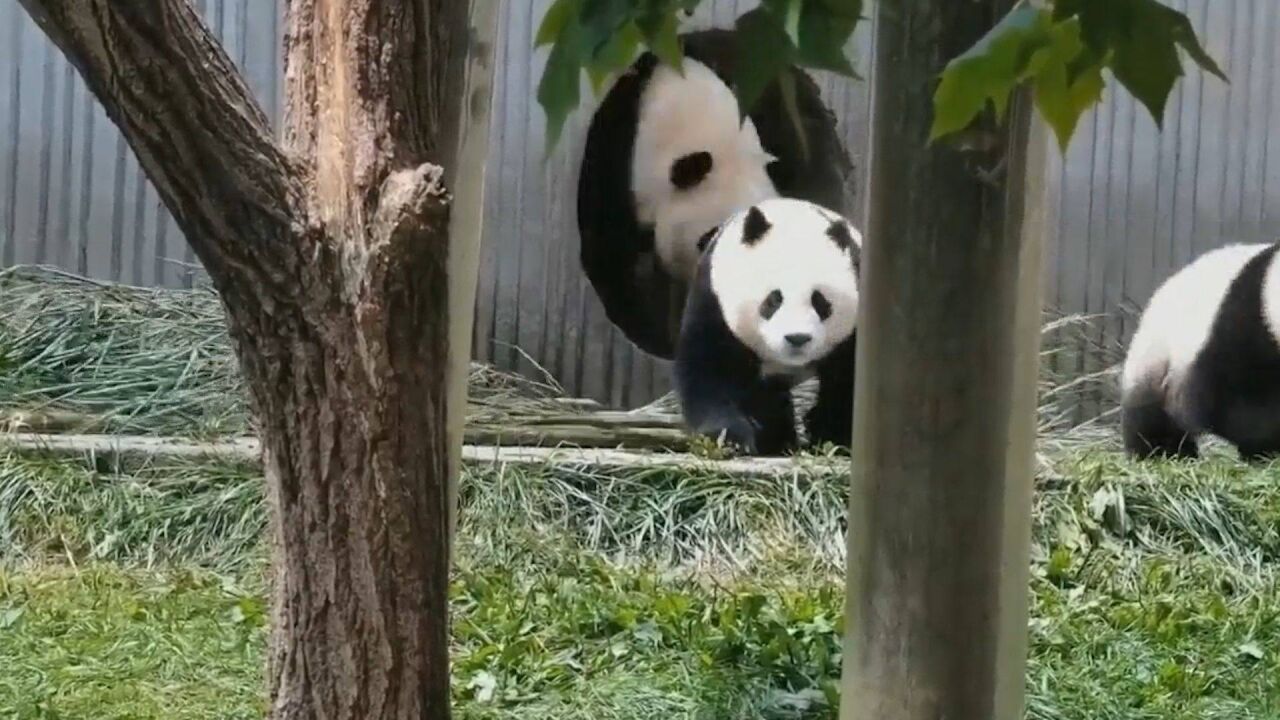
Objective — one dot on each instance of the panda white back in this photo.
(1206, 357)
(1180, 314)
(696, 161)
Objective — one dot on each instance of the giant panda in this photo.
(1206, 359)
(696, 161)
(618, 252)
(775, 301)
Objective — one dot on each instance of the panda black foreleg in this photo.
(755, 416)
(830, 420)
(771, 411)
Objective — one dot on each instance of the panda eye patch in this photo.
(771, 304)
(821, 305)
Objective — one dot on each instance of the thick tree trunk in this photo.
(332, 257)
(939, 517)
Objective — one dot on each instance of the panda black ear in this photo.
(842, 236)
(839, 233)
(754, 227)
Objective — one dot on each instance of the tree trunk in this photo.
(331, 255)
(939, 517)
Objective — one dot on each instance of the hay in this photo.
(78, 355)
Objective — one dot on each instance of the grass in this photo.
(103, 642)
(145, 360)
(580, 595)
(79, 353)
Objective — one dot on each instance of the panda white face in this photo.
(695, 161)
(786, 275)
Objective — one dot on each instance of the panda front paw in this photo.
(735, 430)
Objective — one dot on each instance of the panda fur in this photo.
(1206, 359)
(695, 161)
(775, 302)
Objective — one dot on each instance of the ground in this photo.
(137, 591)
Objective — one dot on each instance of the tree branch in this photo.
(377, 104)
(194, 124)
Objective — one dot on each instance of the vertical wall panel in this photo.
(1134, 203)
(71, 191)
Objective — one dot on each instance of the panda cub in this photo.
(695, 161)
(1206, 358)
(775, 301)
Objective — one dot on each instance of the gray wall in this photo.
(1134, 204)
(71, 193)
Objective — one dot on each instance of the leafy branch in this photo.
(603, 38)
(1061, 52)
(1060, 48)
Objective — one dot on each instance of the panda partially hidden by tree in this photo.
(1206, 359)
(774, 302)
(696, 161)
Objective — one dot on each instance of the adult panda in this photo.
(775, 301)
(1206, 358)
(619, 252)
(696, 161)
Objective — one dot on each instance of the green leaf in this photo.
(1145, 59)
(615, 56)
(598, 22)
(555, 21)
(558, 90)
(824, 34)
(1185, 35)
(1062, 95)
(663, 37)
(760, 37)
(791, 21)
(602, 37)
(989, 70)
(1023, 22)
(1139, 40)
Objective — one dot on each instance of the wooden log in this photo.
(605, 429)
(126, 451)
(634, 438)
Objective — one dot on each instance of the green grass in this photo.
(637, 595)
(104, 642)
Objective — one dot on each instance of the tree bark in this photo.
(331, 255)
(939, 518)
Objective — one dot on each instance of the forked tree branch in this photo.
(380, 98)
(194, 124)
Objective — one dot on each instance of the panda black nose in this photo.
(798, 340)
